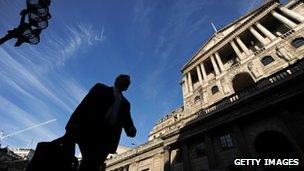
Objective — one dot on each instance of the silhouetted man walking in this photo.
(97, 123)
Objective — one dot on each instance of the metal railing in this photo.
(287, 34)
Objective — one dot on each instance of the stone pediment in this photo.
(222, 33)
(218, 36)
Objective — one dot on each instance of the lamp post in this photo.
(37, 13)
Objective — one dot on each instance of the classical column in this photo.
(219, 61)
(242, 145)
(199, 75)
(186, 158)
(241, 142)
(210, 152)
(203, 71)
(167, 160)
(125, 168)
(265, 31)
(205, 96)
(291, 3)
(283, 19)
(184, 91)
(293, 120)
(236, 50)
(292, 14)
(190, 82)
(243, 46)
(186, 84)
(282, 53)
(216, 69)
(258, 36)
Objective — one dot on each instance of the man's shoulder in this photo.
(100, 86)
(125, 100)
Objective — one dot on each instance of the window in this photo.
(296, 43)
(267, 60)
(200, 149)
(194, 76)
(226, 142)
(197, 99)
(214, 89)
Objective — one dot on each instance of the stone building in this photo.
(10, 161)
(243, 92)
(24, 153)
(120, 149)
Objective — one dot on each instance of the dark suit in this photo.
(88, 125)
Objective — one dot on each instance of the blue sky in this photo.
(93, 41)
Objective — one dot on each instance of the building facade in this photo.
(10, 161)
(24, 153)
(243, 93)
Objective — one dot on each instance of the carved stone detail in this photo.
(255, 70)
(282, 53)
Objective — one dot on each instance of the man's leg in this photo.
(91, 159)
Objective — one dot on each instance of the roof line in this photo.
(222, 29)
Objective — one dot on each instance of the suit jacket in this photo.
(88, 124)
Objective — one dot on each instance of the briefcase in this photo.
(57, 155)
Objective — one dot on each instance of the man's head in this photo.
(122, 82)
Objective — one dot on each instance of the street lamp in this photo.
(39, 12)
(38, 15)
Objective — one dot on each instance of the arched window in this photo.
(197, 99)
(267, 60)
(241, 82)
(296, 43)
(214, 89)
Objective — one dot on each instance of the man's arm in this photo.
(128, 124)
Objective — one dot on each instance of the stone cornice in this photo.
(144, 148)
(262, 11)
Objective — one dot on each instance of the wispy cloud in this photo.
(58, 49)
(23, 75)
(79, 37)
(35, 87)
(181, 20)
(19, 118)
(246, 6)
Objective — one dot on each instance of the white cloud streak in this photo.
(34, 86)
(21, 74)
(179, 23)
(21, 118)
(246, 6)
